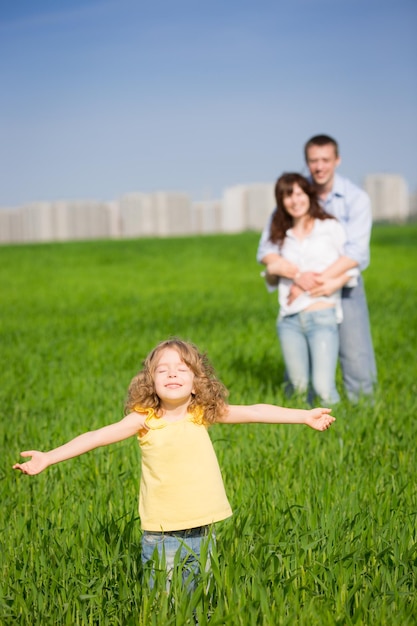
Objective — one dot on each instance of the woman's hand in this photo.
(294, 292)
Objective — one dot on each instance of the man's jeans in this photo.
(356, 351)
(310, 343)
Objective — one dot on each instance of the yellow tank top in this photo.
(181, 485)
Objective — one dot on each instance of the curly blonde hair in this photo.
(209, 393)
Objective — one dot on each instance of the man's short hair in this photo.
(321, 140)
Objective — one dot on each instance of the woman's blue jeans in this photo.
(310, 343)
(187, 552)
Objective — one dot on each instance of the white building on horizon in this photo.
(389, 197)
(247, 207)
(157, 214)
(166, 214)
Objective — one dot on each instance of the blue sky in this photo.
(102, 98)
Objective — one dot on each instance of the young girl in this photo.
(310, 241)
(171, 403)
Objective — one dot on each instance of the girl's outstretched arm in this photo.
(128, 426)
(319, 419)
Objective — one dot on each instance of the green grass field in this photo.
(324, 525)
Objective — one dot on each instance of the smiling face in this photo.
(297, 203)
(173, 379)
(322, 162)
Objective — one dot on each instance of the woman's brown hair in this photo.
(281, 220)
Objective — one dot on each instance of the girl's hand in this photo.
(319, 419)
(36, 465)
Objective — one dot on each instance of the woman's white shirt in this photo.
(314, 253)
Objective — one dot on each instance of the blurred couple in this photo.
(314, 247)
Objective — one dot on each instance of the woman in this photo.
(310, 240)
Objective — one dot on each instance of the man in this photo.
(351, 206)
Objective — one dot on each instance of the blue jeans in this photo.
(185, 551)
(310, 344)
(356, 351)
